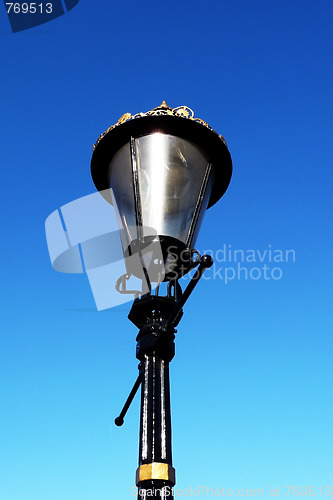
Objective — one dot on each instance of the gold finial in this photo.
(162, 107)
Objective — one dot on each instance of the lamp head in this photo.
(161, 170)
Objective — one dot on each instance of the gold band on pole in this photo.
(156, 470)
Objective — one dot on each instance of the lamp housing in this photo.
(160, 170)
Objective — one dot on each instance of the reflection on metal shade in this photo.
(170, 175)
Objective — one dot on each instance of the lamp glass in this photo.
(170, 173)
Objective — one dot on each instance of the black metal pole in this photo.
(155, 475)
(156, 317)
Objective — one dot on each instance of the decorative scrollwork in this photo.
(184, 111)
(163, 109)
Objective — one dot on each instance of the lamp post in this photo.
(161, 170)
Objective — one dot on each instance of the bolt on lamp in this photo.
(161, 170)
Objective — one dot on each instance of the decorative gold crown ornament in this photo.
(163, 109)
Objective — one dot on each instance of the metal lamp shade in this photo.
(160, 185)
(162, 172)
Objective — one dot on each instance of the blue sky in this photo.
(252, 378)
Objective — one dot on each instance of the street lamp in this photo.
(161, 170)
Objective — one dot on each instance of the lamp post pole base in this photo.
(155, 476)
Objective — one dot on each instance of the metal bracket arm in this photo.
(151, 341)
(206, 261)
(120, 419)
